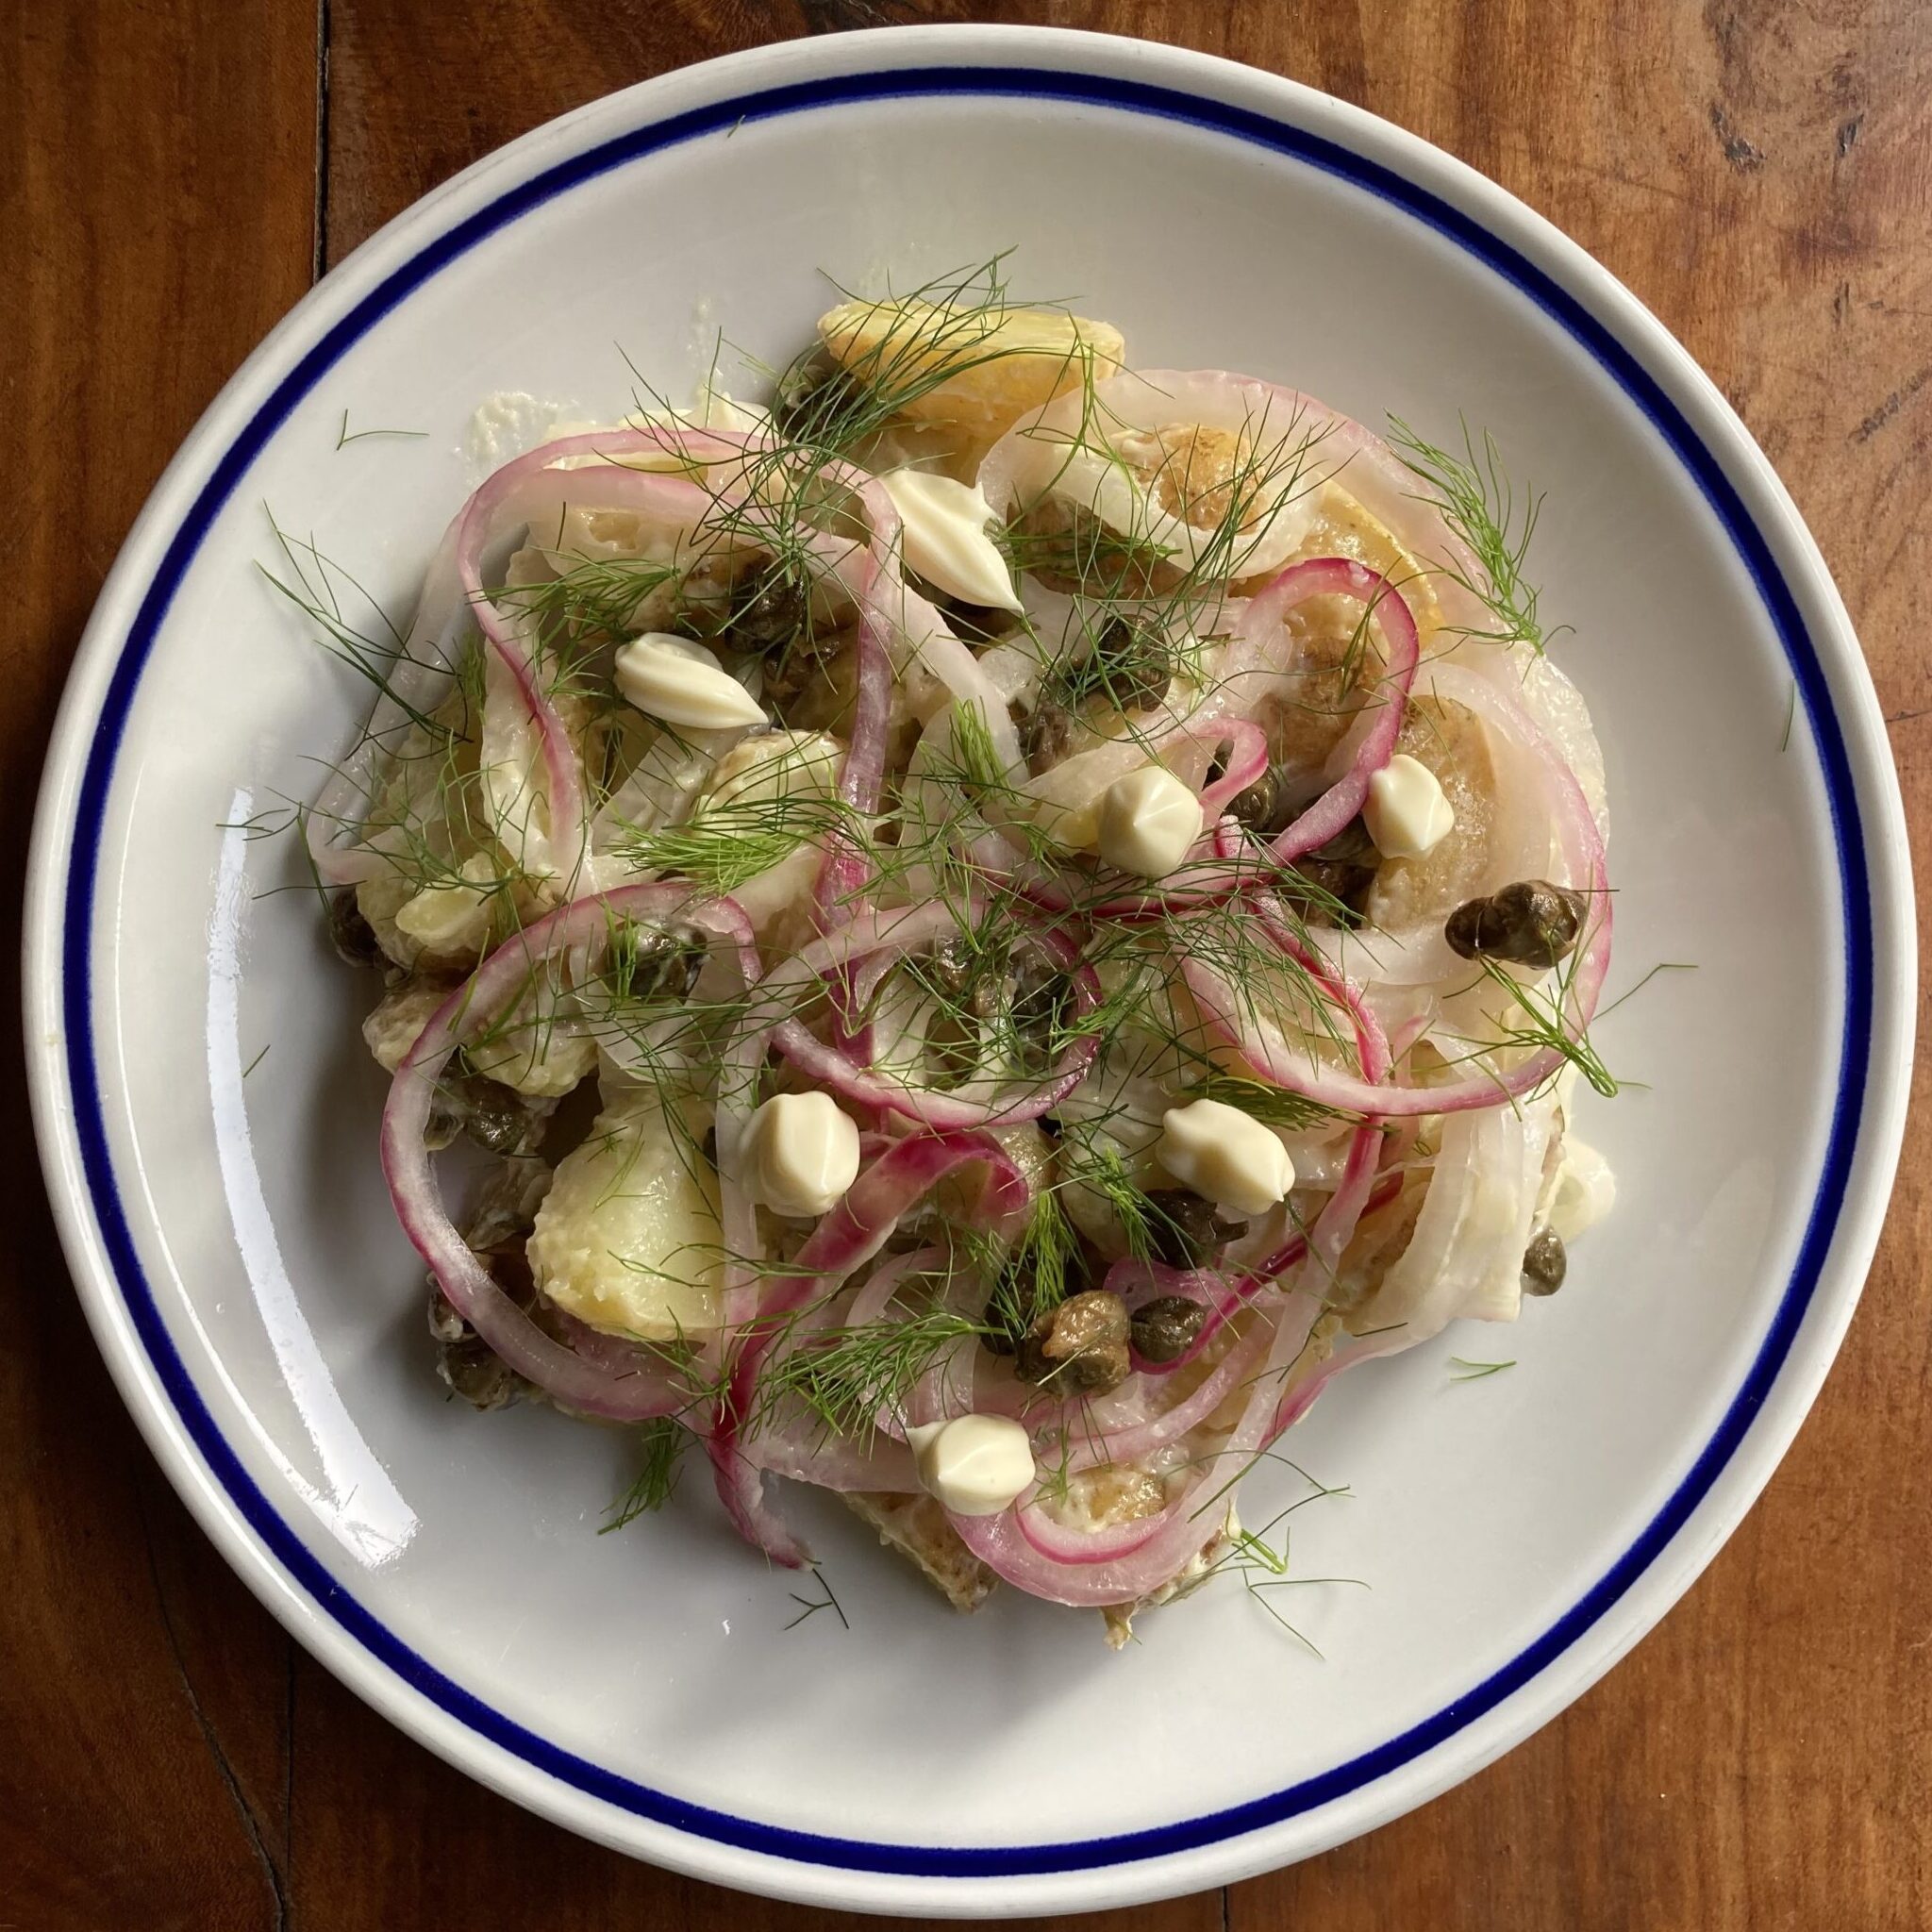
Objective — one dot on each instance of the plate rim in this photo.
(1106, 72)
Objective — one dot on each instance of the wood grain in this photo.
(143, 1742)
(1760, 175)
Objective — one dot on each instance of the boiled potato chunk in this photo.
(627, 1238)
(1012, 360)
(1454, 743)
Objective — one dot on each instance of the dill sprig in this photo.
(590, 596)
(1479, 505)
(944, 328)
(1274, 1106)
(1088, 1161)
(662, 1443)
(1086, 550)
(1477, 1372)
(845, 1378)
(722, 846)
(1131, 570)
(809, 1606)
(426, 804)
(1544, 1024)
(344, 437)
(1261, 1566)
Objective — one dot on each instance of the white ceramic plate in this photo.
(263, 1316)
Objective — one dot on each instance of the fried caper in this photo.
(1544, 1262)
(1082, 1344)
(1352, 846)
(667, 966)
(789, 673)
(352, 936)
(978, 623)
(1041, 991)
(477, 1372)
(814, 399)
(1046, 736)
(1329, 892)
(1183, 1229)
(1265, 807)
(770, 612)
(466, 1362)
(1131, 664)
(1337, 878)
(1530, 923)
(974, 981)
(494, 1116)
(1164, 1329)
(1014, 1304)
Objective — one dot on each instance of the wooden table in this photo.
(172, 176)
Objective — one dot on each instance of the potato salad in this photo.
(993, 920)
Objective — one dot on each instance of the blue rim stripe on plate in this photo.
(951, 1861)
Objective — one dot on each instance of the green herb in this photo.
(590, 598)
(725, 845)
(811, 1606)
(662, 1443)
(1264, 1569)
(1087, 551)
(846, 1377)
(1088, 1161)
(1544, 1026)
(1034, 1279)
(343, 439)
(1274, 1106)
(1663, 966)
(1479, 506)
(1475, 1372)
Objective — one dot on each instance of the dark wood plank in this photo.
(142, 1747)
(397, 126)
(1758, 174)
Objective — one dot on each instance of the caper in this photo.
(1266, 807)
(1025, 986)
(812, 395)
(1041, 992)
(978, 623)
(997, 1336)
(789, 673)
(494, 1116)
(1544, 1262)
(1082, 1344)
(768, 611)
(1329, 892)
(1045, 735)
(1183, 1229)
(1164, 1329)
(1133, 662)
(352, 936)
(1013, 1307)
(1531, 922)
(477, 1372)
(465, 1361)
(667, 966)
(970, 979)
(1352, 846)
(445, 1324)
